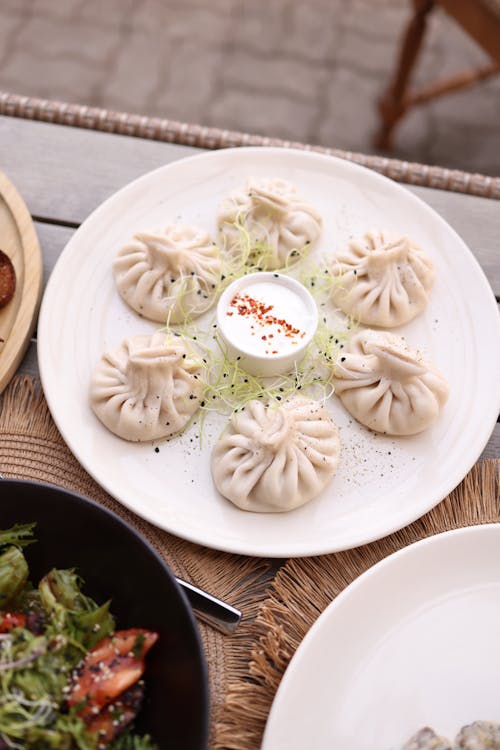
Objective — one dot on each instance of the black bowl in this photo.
(117, 564)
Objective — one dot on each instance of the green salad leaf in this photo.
(19, 535)
(13, 574)
(36, 666)
(66, 733)
(129, 741)
(13, 566)
(72, 613)
(27, 600)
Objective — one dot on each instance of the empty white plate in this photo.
(412, 642)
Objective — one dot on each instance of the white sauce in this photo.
(267, 319)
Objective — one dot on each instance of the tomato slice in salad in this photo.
(113, 719)
(109, 669)
(107, 726)
(31, 621)
(11, 620)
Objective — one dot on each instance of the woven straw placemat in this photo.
(244, 669)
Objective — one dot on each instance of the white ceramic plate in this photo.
(413, 642)
(383, 484)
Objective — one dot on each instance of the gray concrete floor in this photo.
(310, 70)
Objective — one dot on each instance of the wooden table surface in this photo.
(64, 173)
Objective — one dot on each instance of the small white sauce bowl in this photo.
(274, 339)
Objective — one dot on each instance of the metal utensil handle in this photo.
(211, 610)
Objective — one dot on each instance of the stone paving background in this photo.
(310, 70)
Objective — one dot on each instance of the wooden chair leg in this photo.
(392, 106)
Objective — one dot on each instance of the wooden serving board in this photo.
(19, 241)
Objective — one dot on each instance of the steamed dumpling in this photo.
(275, 458)
(479, 735)
(382, 281)
(427, 739)
(388, 386)
(268, 222)
(170, 275)
(148, 388)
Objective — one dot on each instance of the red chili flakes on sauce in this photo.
(247, 306)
